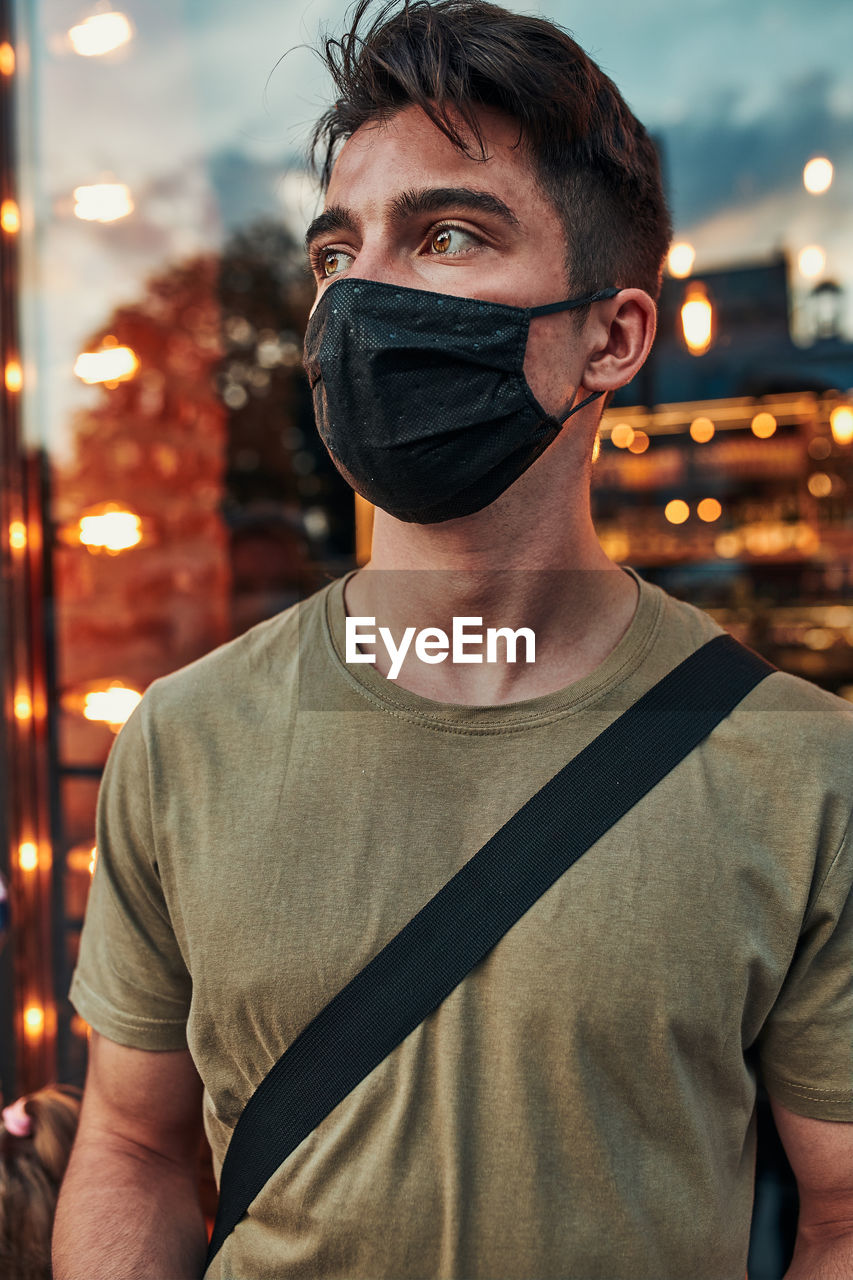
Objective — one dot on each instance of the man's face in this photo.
(405, 207)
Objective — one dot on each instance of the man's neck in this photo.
(577, 603)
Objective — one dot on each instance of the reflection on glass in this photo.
(102, 202)
(100, 34)
(112, 531)
(114, 364)
(111, 706)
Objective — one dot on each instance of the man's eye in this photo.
(449, 240)
(333, 262)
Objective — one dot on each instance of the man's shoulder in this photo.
(246, 670)
(813, 710)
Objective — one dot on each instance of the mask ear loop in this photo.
(570, 305)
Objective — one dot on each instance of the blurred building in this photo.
(726, 472)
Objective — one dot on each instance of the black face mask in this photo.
(421, 398)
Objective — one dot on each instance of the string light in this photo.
(111, 706)
(622, 435)
(811, 261)
(677, 511)
(841, 424)
(100, 34)
(763, 425)
(33, 1021)
(702, 430)
(640, 442)
(680, 260)
(103, 202)
(697, 319)
(820, 484)
(110, 531)
(7, 59)
(17, 535)
(10, 217)
(709, 510)
(23, 706)
(114, 364)
(28, 856)
(817, 175)
(14, 376)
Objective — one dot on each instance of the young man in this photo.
(582, 1104)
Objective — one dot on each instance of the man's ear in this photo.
(621, 334)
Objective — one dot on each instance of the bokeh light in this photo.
(702, 430)
(763, 425)
(709, 510)
(677, 511)
(680, 259)
(102, 202)
(811, 261)
(841, 424)
(817, 175)
(10, 217)
(100, 34)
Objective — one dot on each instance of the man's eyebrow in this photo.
(435, 199)
(336, 218)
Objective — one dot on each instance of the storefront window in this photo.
(164, 486)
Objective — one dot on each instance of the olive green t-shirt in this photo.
(582, 1105)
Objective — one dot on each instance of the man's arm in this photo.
(821, 1155)
(129, 1206)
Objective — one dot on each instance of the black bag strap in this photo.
(431, 955)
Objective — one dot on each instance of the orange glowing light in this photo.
(17, 535)
(33, 1020)
(680, 260)
(14, 376)
(622, 435)
(841, 424)
(82, 858)
(763, 425)
(697, 319)
(709, 510)
(111, 706)
(103, 202)
(10, 217)
(113, 364)
(702, 430)
(28, 856)
(111, 531)
(677, 511)
(23, 706)
(728, 545)
(7, 59)
(100, 34)
(820, 484)
(639, 443)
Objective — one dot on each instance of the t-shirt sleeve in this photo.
(131, 983)
(806, 1046)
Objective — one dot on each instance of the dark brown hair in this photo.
(592, 157)
(31, 1169)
